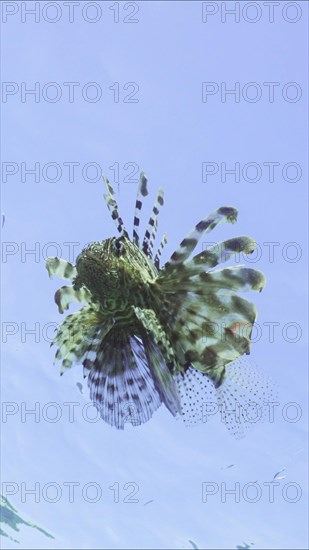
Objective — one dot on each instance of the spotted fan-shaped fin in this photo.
(241, 402)
(250, 393)
(197, 396)
(188, 244)
(60, 267)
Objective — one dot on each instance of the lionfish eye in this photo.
(118, 244)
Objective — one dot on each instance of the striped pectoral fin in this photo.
(60, 267)
(235, 278)
(214, 311)
(221, 252)
(65, 295)
(207, 297)
(209, 331)
(79, 335)
(211, 354)
(224, 214)
(231, 345)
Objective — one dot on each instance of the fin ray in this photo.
(141, 191)
(188, 244)
(113, 208)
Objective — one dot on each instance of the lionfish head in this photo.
(98, 266)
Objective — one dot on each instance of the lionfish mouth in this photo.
(182, 328)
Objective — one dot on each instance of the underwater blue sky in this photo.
(178, 131)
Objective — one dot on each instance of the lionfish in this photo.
(149, 335)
